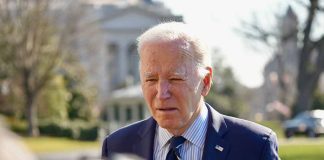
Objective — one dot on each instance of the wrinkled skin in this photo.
(171, 85)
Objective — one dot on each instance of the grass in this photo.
(289, 149)
(51, 144)
(275, 126)
(296, 148)
(301, 148)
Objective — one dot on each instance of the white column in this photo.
(122, 61)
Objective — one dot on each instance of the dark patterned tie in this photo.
(175, 144)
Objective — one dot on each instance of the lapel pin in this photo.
(220, 148)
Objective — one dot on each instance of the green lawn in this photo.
(275, 126)
(289, 149)
(296, 148)
(50, 144)
(301, 148)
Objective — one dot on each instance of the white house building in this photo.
(122, 21)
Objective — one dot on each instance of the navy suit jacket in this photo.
(227, 138)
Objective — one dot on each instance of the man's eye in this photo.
(176, 79)
(151, 80)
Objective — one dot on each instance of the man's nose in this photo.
(163, 90)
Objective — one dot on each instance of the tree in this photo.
(31, 49)
(225, 95)
(318, 102)
(309, 68)
(310, 55)
(36, 38)
(53, 101)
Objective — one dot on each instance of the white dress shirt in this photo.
(195, 135)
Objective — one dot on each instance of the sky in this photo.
(217, 20)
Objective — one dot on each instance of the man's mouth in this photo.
(167, 109)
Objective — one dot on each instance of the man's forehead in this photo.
(177, 46)
(179, 71)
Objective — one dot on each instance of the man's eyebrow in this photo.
(178, 73)
(148, 74)
(173, 73)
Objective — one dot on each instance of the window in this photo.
(104, 115)
(140, 111)
(112, 65)
(128, 114)
(133, 59)
(112, 48)
(116, 112)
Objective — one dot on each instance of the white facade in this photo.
(121, 29)
(125, 107)
(121, 24)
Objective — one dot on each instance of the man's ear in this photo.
(207, 81)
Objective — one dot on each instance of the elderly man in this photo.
(176, 75)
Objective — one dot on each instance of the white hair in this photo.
(192, 44)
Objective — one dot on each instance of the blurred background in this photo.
(69, 70)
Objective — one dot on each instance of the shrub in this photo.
(79, 130)
(89, 134)
(18, 126)
(85, 130)
(56, 129)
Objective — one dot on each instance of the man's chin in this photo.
(172, 126)
(168, 125)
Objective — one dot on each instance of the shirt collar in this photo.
(193, 134)
(198, 129)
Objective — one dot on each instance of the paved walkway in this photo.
(72, 155)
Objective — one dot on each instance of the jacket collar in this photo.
(145, 146)
(215, 146)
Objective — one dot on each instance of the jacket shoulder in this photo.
(123, 140)
(247, 127)
(127, 132)
(250, 137)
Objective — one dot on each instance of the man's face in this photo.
(171, 85)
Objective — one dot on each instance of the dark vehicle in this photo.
(310, 123)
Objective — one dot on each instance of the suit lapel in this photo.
(215, 146)
(145, 143)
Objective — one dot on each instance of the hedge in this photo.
(79, 130)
